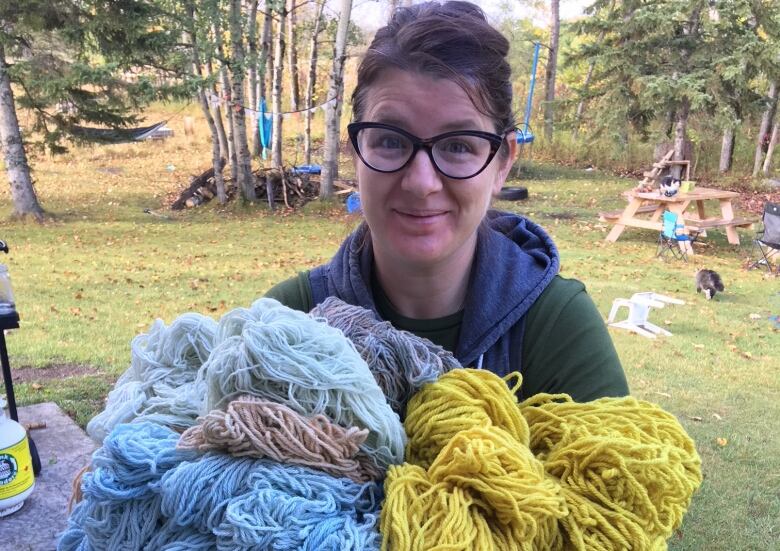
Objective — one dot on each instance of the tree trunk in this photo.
(245, 178)
(771, 148)
(216, 155)
(766, 124)
(276, 149)
(22, 191)
(309, 102)
(228, 98)
(217, 114)
(680, 128)
(726, 150)
(265, 48)
(251, 44)
(552, 67)
(330, 165)
(581, 105)
(292, 61)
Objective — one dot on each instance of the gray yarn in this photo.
(400, 361)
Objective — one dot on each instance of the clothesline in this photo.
(215, 101)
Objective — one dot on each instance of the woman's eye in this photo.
(390, 142)
(456, 147)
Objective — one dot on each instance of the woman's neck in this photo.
(426, 292)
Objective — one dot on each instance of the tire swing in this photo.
(524, 134)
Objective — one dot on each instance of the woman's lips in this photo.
(421, 214)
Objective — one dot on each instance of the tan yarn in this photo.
(254, 427)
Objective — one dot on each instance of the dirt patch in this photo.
(51, 372)
(560, 215)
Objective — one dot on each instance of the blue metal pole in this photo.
(537, 46)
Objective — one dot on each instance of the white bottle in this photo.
(16, 473)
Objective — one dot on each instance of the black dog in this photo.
(709, 282)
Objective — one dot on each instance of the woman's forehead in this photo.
(409, 99)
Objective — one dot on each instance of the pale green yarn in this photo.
(282, 355)
(161, 383)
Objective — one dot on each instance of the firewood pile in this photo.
(289, 189)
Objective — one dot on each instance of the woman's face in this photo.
(417, 215)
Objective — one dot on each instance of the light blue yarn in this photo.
(282, 355)
(160, 384)
(144, 494)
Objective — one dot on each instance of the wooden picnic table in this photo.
(654, 203)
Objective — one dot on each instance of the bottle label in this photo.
(16, 473)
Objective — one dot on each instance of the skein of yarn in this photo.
(400, 361)
(160, 384)
(143, 493)
(616, 473)
(252, 427)
(285, 356)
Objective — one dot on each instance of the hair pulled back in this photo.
(450, 40)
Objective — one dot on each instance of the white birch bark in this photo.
(246, 181)
(330, 165)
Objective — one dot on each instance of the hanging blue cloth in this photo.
(265, 126)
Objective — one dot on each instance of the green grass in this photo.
(103, 270)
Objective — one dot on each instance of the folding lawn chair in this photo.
(766, 243)
(671, 240)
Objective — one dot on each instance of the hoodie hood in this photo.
(515, 261)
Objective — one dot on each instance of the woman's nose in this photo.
(420, 176)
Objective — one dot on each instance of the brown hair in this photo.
(450, 40)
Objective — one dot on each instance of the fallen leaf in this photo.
(721, 441)
(694, 418)
(78, 296)
(36, 386)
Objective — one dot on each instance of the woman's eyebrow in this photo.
(452, 126)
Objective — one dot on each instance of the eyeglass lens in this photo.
(459, 156)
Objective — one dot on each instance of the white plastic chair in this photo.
(639, 306)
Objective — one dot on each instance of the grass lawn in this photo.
(103, 270)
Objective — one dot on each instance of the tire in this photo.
(513, 194)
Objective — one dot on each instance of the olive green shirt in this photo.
(566, 347)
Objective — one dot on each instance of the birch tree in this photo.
(245, 178)
(766, 124)
(551, 69)
(330, 165)
(292, 59)
(311, 81)
(279, 45)
(197, 69)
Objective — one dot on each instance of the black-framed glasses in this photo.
(459, 155)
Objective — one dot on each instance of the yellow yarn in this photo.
(549, 474)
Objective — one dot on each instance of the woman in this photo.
(433, 141)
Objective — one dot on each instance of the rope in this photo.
(400, 361)
(257, 428)
(485, 473)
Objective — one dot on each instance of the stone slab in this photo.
(64, 450)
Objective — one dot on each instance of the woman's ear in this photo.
(506, 157)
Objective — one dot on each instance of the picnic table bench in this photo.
(655, 203)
